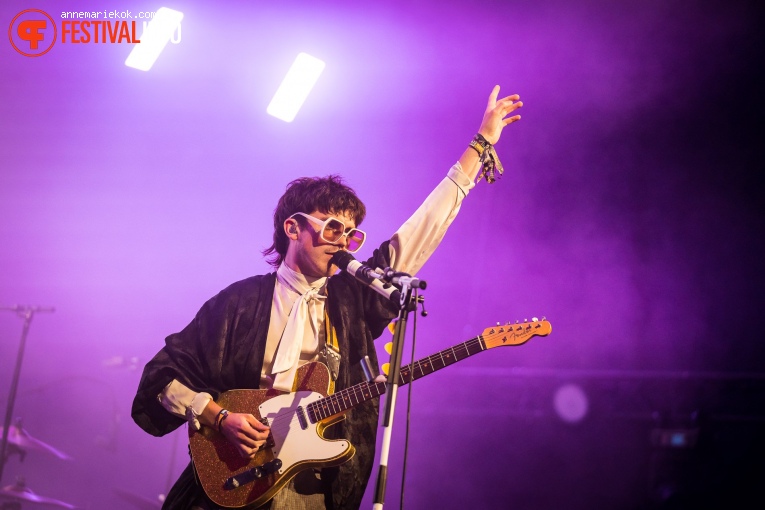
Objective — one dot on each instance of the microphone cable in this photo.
(409, 403)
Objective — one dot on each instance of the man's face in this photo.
(307, 253)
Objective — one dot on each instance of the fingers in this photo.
(509, 104)
(248, 452)
(246, 433)
(504, 107)
(508, 107)
(257, 425)
(253, 431)
(514, 97)
(244, 436)
(512, 119)
(493, 97)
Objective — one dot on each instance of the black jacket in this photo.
(222, 349)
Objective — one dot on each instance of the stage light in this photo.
(571, 403)
(154, 39)
(295, 87)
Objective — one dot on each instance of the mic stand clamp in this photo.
(408, 303)
(402, 280)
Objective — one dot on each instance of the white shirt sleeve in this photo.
(184, 402)
(420, 235)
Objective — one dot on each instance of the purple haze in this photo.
(630, 216)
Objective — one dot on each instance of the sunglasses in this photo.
(333, 230)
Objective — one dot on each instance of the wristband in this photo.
(488, 158)
(222, 415)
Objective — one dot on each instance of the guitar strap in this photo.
(331, 350)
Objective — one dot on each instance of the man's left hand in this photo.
(496, 110)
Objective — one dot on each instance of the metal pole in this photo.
(407, 305)
(27, 313)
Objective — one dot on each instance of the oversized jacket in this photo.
(223, 347)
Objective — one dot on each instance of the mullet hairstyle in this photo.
(328, 195)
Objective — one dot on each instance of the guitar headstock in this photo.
(515, 334)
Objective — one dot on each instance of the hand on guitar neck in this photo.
(244, 431)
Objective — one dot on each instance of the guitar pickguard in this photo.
(296, 440)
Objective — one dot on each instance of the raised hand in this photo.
(494, 119)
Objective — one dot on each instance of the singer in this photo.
(257, 332)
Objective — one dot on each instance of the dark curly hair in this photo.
(328, 195)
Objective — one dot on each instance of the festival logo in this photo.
(32, 32)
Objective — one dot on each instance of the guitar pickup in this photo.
(252, 474)
(300, 412)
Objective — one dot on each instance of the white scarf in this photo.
(302, 325)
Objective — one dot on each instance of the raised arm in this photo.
(420, 235)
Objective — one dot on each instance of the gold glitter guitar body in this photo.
(298, 420)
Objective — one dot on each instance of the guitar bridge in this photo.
(270, 443)
(252, 474)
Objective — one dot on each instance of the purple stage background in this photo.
(630, 215)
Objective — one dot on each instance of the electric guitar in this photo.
(298, 420)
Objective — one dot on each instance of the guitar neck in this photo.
(345, 399)
(439, 360)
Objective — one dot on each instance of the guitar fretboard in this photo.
(345, 399)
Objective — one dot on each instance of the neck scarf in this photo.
(302, 324)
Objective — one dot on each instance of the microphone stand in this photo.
(407, 304)
(26, 313)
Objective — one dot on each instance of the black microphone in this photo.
(365, 274)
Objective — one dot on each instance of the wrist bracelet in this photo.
(222, 419)
(476, 147)
(222, 415)
(488, 158)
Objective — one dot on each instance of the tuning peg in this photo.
(498, 324)
(385, 368)
(525, 320)
(389, 347)
(534, 319)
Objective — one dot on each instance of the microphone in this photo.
(365, 274)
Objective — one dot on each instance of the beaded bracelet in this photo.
(488, 158)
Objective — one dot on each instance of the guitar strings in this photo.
(328, 403)
(331, 401)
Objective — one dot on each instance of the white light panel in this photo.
(154, 39)
(295, 87)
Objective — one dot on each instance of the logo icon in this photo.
(32, 32)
